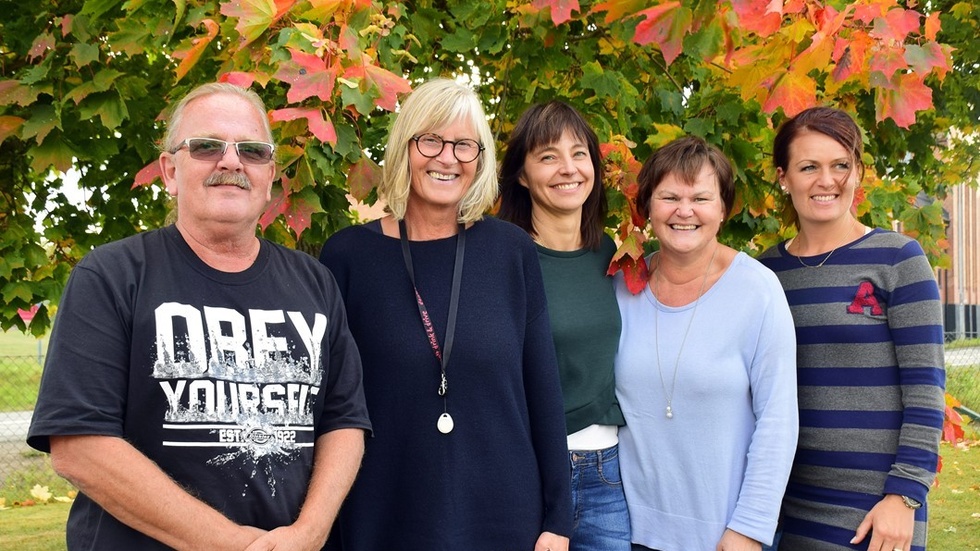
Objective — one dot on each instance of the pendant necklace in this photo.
(826, 258)
(656, 328)
(445, 422)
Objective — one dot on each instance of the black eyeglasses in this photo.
(210, 149)
(431, 145)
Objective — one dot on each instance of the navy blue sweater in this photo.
(501, 477)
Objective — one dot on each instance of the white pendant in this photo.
(670, 413)
(445, 423)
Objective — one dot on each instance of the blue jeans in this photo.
(601, 519)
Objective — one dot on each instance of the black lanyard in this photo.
(443, 357)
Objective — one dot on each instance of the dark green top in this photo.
(585, 324)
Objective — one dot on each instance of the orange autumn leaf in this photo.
(190, 56)
(619, 9)
(793, 91)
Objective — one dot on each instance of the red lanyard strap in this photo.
(453, 301)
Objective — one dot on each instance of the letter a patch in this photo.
(865, 297)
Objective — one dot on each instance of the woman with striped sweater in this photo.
(870, 353)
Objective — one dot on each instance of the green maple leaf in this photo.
(254, 17)
(55, 152)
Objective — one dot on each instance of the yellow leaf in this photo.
(41, 493)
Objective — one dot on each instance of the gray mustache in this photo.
(229, 179)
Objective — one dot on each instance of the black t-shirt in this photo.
(224, 380)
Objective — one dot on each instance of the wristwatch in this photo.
(911, 503)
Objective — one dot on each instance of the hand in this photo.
(733, 541)
(551, 542)
(287, 538)
(890, 523)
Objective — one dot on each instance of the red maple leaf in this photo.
(666, 26)
(295, 205)
(276, 206)
(321, 128)
(42, 44)
(561, 10)
(363, 176)
(867, 12)
(762, 17)
(618, 9)
(190, 56)
(148, 174)
(307, 75)
(254, 16)
(889, 60)
(896, 24)
(793, 91)
(388, 84)
(238, 78)
(629, 259)
(906, 94)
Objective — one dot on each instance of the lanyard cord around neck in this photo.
(442, 356)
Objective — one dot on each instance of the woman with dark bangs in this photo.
(551, 186)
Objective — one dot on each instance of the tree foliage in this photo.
(84, 86)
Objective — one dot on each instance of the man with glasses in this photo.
(202, 389)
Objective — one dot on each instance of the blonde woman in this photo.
(460, 375)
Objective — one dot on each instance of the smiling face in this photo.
(440, 182)
(225, 191)
(686, 217)
(559, 176)
(820, 177)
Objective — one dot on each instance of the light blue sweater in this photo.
(724, 458)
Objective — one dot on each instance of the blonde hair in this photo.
(436, 104)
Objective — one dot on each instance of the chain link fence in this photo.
(21, 375)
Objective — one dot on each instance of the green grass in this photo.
(38, 528)
(964, 384)
(962, 343)
(35, 471)
(953, 510)
(15, 343)
(954, 505)
(20, 370)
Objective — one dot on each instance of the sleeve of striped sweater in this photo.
(915, 319)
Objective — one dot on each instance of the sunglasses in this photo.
(210, 149)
